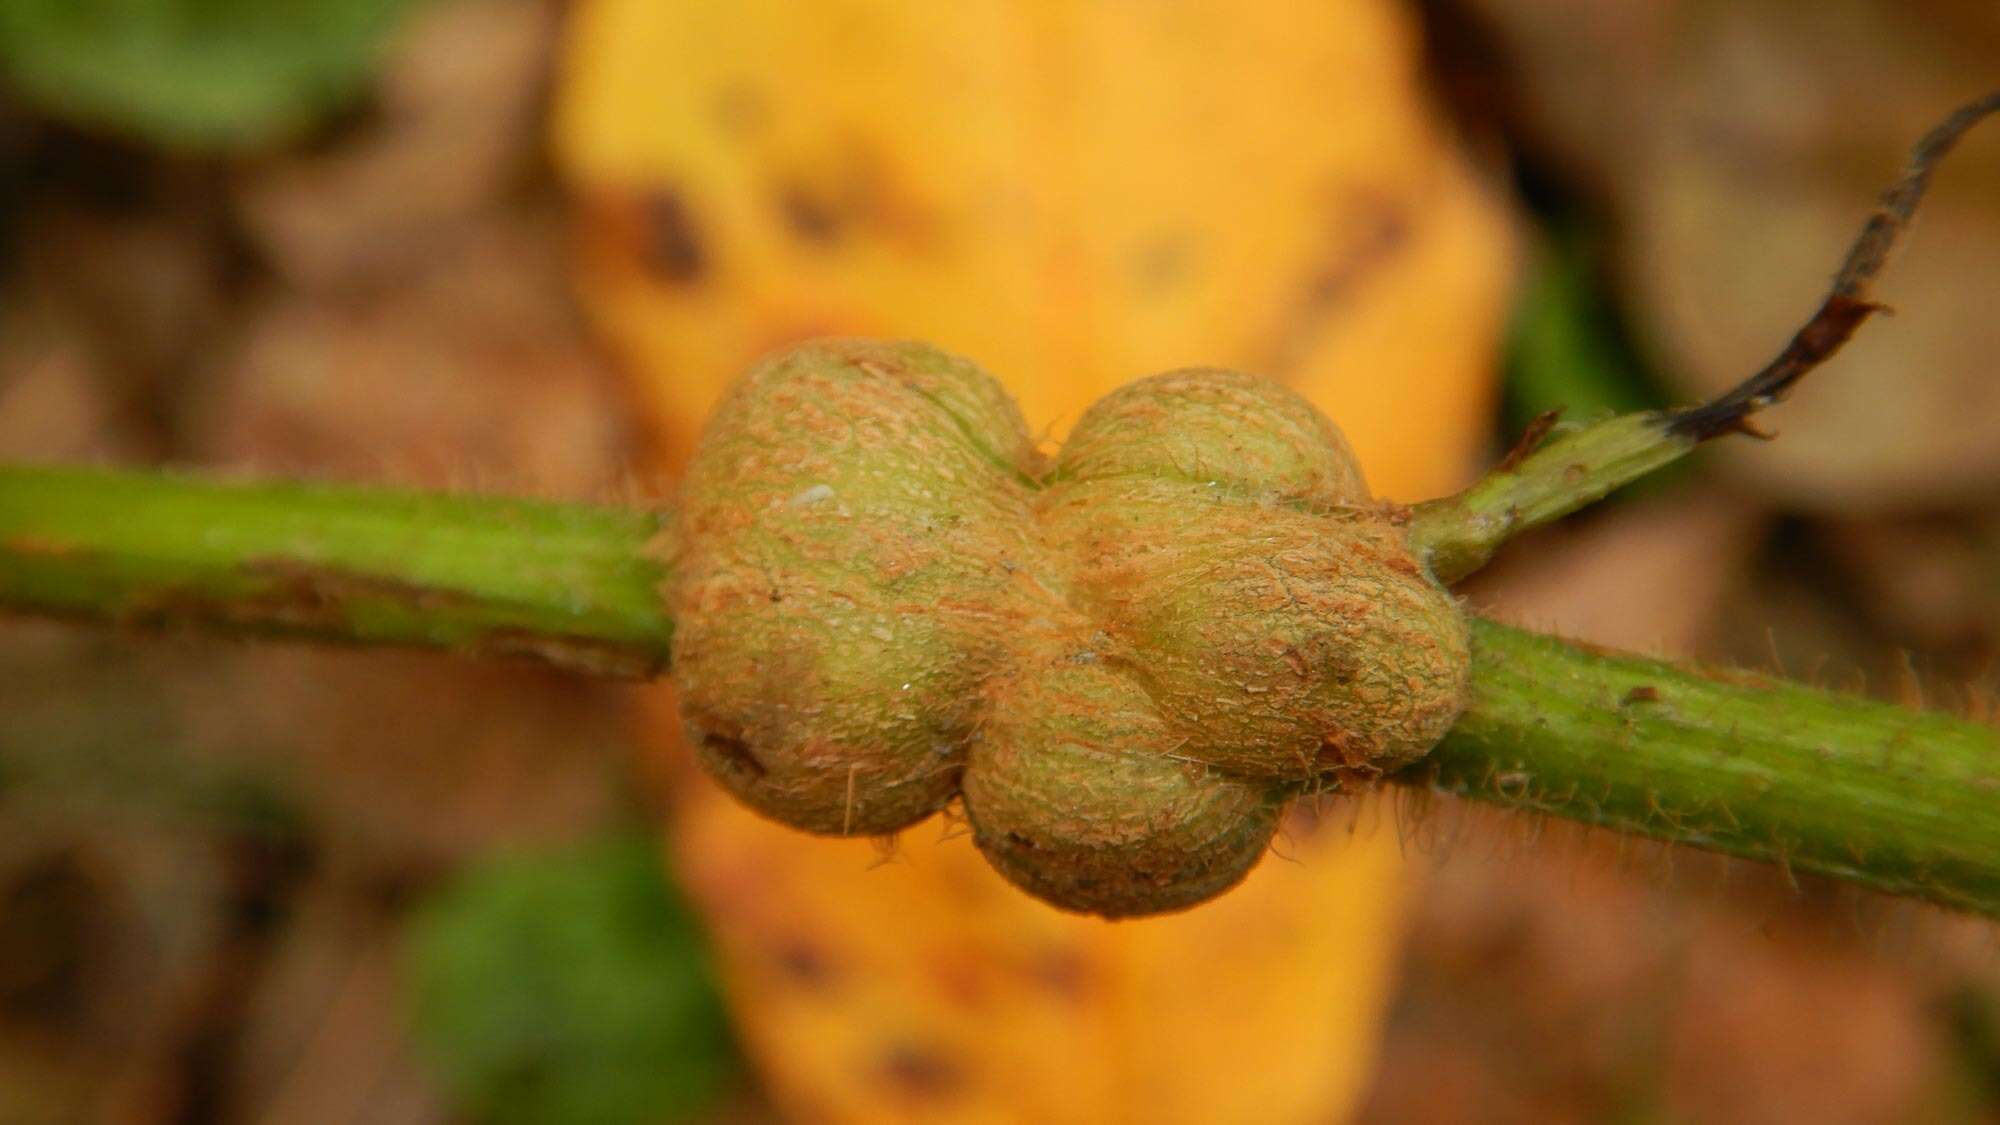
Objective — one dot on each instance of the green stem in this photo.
(1877, 794)
(1457, 535)
(567, 584)
(1899, 800)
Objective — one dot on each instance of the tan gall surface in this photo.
(1127, 663)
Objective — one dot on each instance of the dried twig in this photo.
(1458, 534)
(1847, 304)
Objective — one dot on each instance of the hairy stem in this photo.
(1877, 794)
(1899, 800)
(1543, 482)
(567, 584)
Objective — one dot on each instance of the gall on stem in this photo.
(1121, 777)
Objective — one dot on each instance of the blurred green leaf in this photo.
(1566, 347)
(194, 73)
(1968, 1016)
(569, 988)
(99, 735)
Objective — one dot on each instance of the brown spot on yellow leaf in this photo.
(670, 245)
(920, 1072)
(1365, 232)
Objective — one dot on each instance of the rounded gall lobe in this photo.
(1124, 662)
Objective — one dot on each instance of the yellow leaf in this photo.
(1075, 194)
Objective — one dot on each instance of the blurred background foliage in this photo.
(569, 987)
(196, 73)
(323, 237)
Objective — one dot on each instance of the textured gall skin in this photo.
(1124, 662)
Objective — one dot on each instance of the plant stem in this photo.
(1540, 483)
(567, 584)
(1899, 800)
(1457, 535)
(1891, 798)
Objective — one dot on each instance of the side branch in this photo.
(569, 585)
(1458, 534)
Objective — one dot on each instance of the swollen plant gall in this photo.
(1123, 662)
